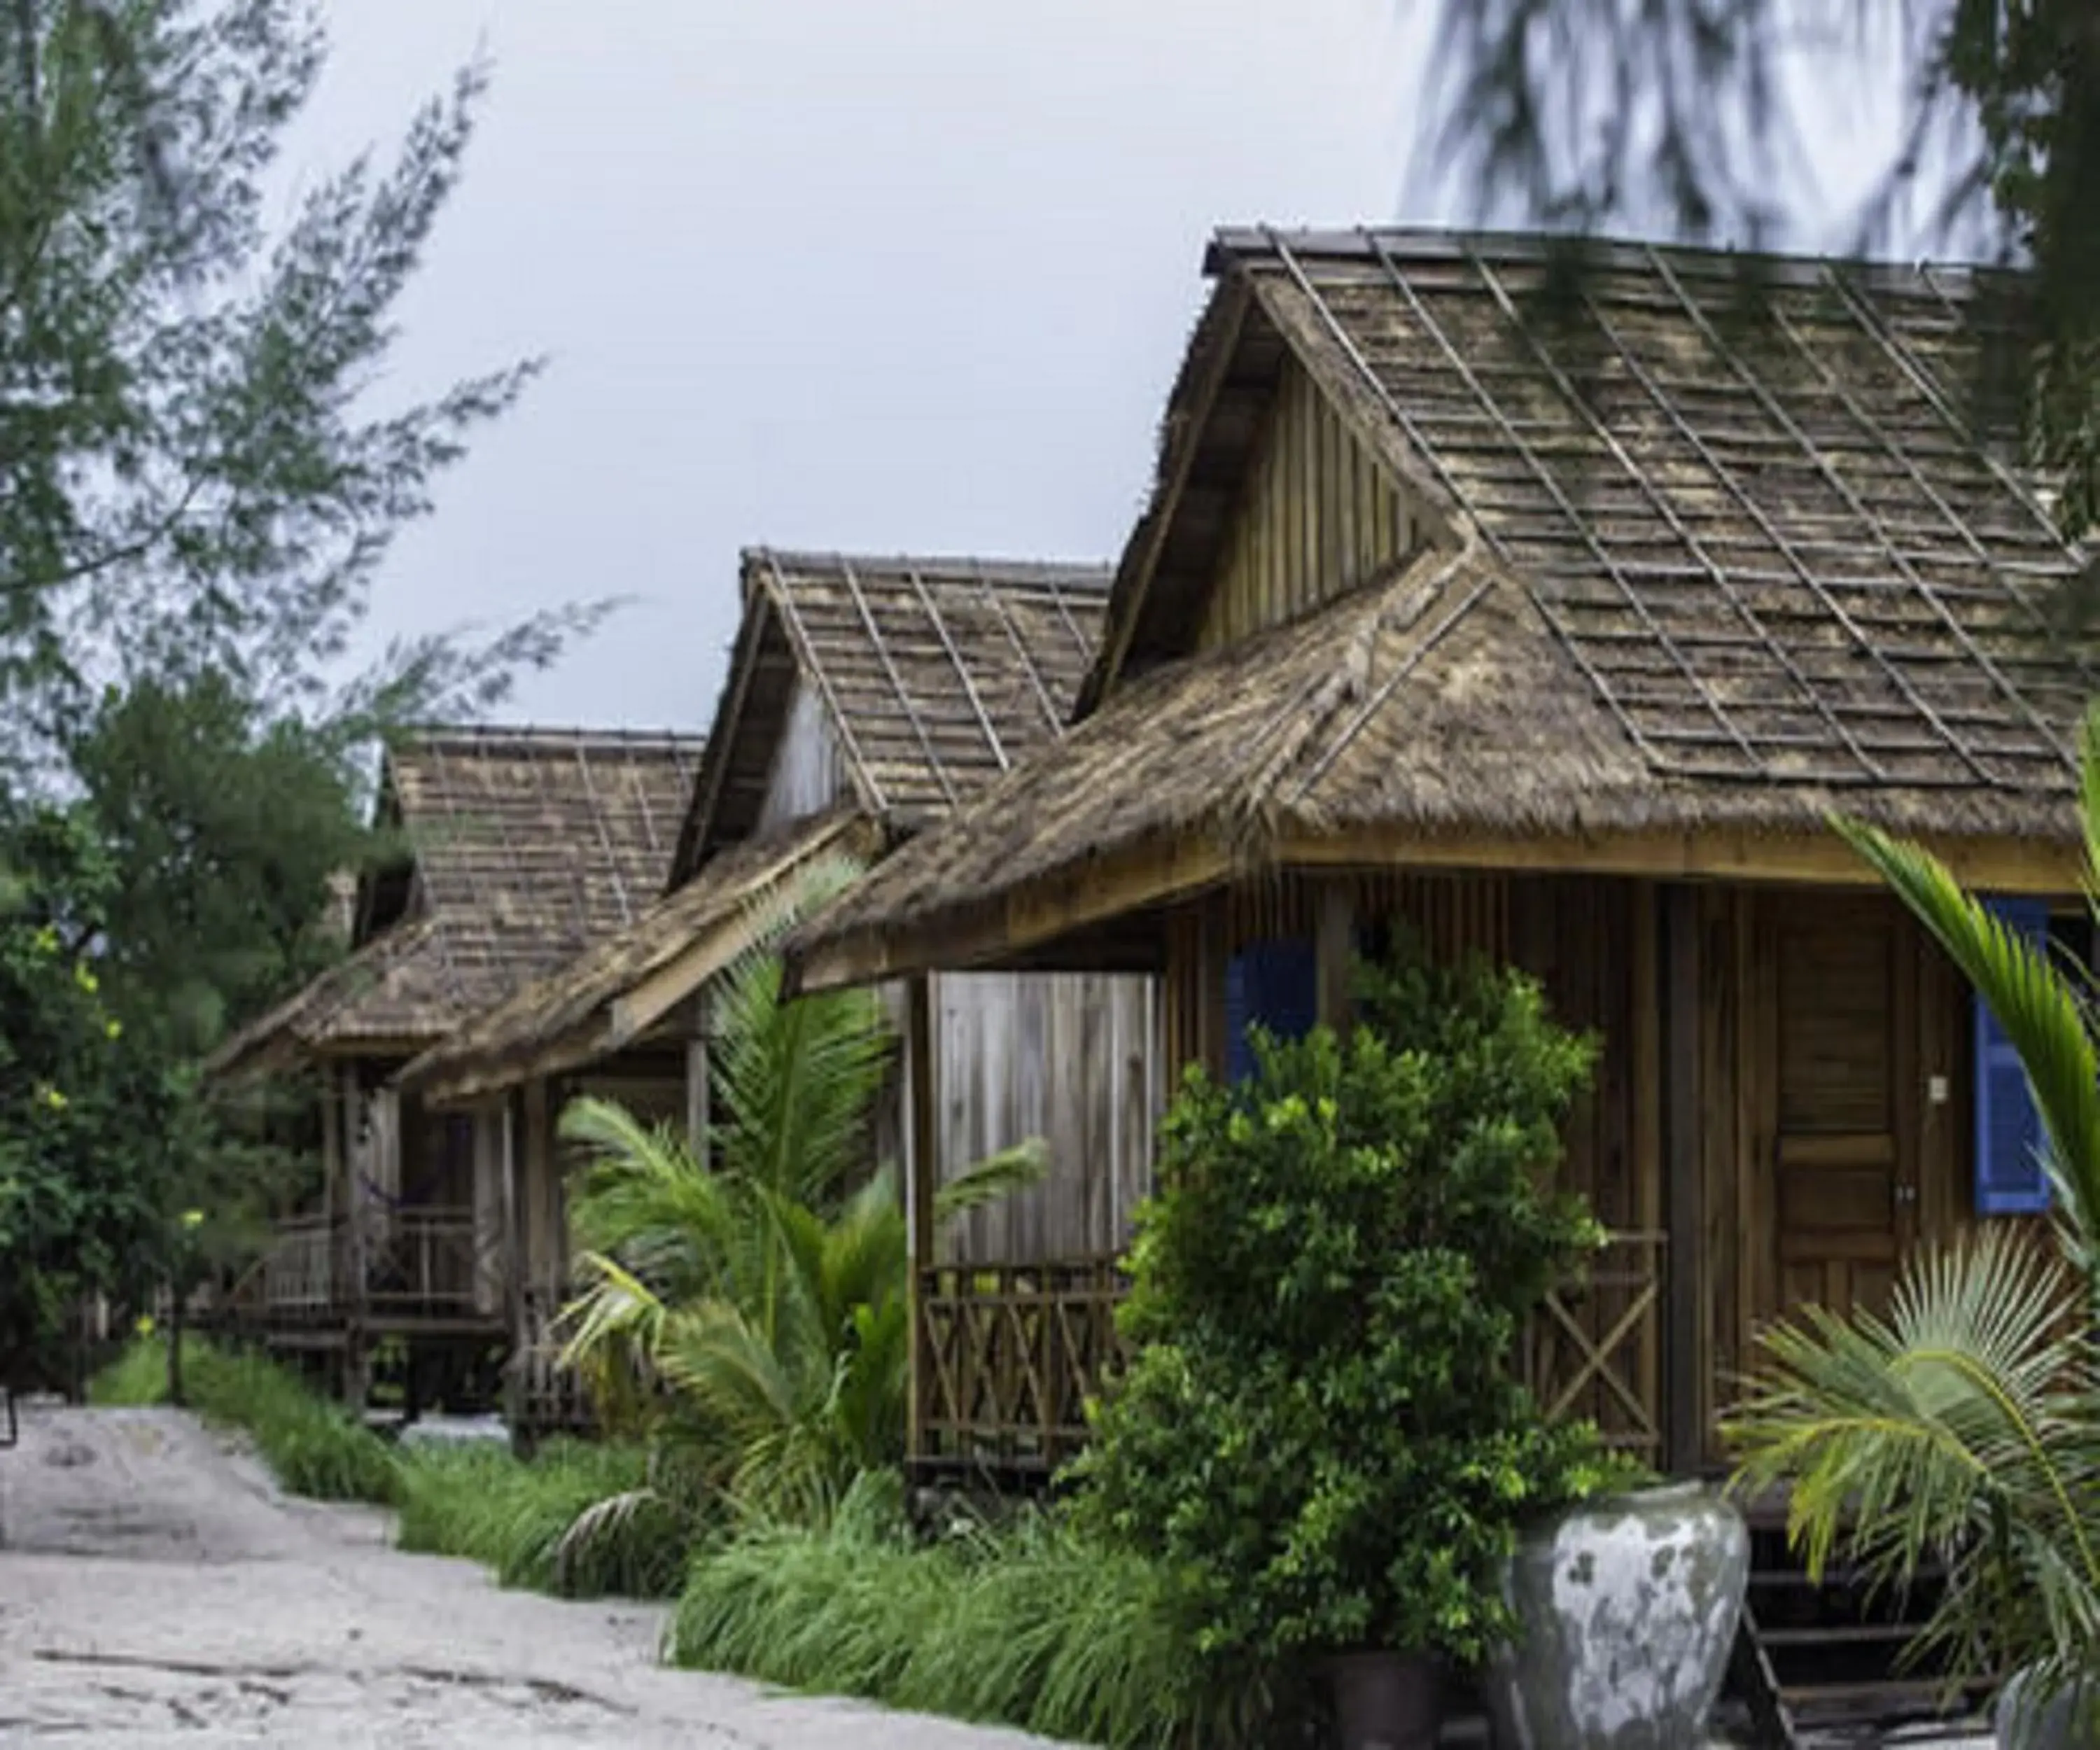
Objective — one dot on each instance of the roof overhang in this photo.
(611, 997)
(1094, 893)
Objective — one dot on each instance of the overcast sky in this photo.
(906, 276)
(911, 275)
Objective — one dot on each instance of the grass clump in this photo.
(1029, 1625)
(312, 1447)
(576, 1520)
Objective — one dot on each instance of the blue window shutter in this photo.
(2010, 1180)
(1276, 984)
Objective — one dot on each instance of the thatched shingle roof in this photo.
(587, 1007)
(1706, 549)
(933, 676)
(526, 844)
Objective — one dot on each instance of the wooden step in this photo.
(1840, 1634)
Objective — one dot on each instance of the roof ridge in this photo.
(1236, 242)
(995, 569)
(525, 736)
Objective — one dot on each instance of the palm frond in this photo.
(798, 1081)
(1958, 1430)
(995, 1177)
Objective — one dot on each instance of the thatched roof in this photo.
(932, 676)
(603, 999)
(1705, 551)
(526, 844)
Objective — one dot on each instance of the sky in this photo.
(905, 277)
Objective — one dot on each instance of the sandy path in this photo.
(156, 1589)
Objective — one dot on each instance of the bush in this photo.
(1028, 1626)
(516, 1517)
(313, 1447)
(1320, 1428)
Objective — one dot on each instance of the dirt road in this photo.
(155, 1589)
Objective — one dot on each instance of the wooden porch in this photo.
(1784, 1109)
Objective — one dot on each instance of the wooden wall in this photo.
(1318, 515)
(809, 769)
(1069, 1057)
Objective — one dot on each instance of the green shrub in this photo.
(1028, 1626)
(515, 1516)
(313, 1447)
(1320, 1428)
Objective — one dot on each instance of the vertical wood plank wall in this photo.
(1318, 515)
(1067, 1056)
(809, 769)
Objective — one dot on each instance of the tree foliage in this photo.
(1320, 1426)
(202, 465)
(1695, 117)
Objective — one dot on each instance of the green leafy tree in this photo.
(1962, 1428)
(1688, 116)
(201, 467)
(1322, 1427)
(85, 1113)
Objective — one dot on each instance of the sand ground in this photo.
(155, 1589)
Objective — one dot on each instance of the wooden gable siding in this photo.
(1318, 516)
(809, 770)
(1067, 1057)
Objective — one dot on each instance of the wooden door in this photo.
(1839, 1063)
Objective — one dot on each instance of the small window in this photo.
(1275, 985)
(2010, 1177)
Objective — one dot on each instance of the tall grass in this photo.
(313, 1447)
(515, 1516)
(1028, 1626)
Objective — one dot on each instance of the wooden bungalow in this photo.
(1551, 618)
(866, 699)
(519, 847)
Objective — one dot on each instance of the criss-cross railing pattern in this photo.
(1009, 1354)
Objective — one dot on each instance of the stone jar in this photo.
(2069, 1720)
(1627, 1610)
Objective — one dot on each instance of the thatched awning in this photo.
(1430, 719)
(384, 999)
(610, 995)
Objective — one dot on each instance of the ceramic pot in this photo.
(1627, 1613)
(1385, 1701)
(2069, 1720)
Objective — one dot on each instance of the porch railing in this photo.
(551, 1398)
(299, 1271)
(416, 1262)
(1008, 1355)
(1594, 1349)
(423, 1261)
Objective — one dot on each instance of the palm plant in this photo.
(1962, 1427)
(755, 1317)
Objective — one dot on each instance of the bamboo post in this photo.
(922, 1183)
